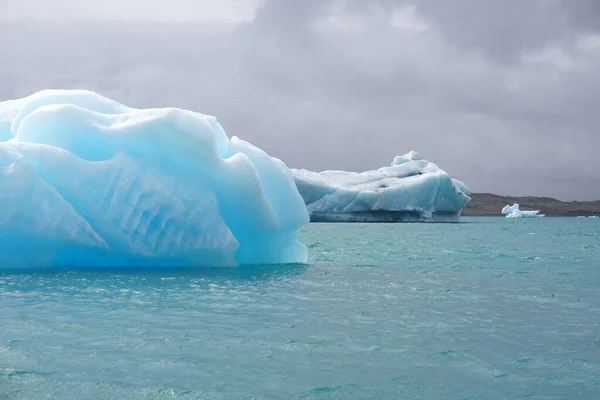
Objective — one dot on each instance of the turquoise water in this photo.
(491, 308)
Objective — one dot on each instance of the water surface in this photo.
(491, 308)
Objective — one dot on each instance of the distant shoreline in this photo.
(489, 205)
(504, 216)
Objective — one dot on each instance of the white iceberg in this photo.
(514, 212)
(88, 181)
(410, 190)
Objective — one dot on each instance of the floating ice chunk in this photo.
(514, 212)
(411, 190)
(89, 181)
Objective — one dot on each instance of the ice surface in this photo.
(88, 181)
(411, 189)
(514, 212)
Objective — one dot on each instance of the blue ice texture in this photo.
(514, 212)
(411, 189)
(87, 181)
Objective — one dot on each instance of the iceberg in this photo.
(87, 181)
(514, 212)
(411, 189)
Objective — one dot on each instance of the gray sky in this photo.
(504, 95)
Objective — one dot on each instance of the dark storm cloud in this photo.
(502, 29)
(504, 95)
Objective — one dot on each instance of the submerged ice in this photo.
(514, 212)
(89, 181)
(410, 189)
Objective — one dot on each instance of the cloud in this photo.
(504, 98)
(172, 11)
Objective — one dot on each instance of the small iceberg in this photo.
(514, 212)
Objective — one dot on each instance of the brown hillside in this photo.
(486, 204)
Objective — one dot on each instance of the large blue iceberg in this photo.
(410, 190)
(87, 181)
(514, 212)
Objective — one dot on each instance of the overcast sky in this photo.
(504, 95)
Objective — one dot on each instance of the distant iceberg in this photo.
(410, 190)
(87, 181)
(514, 212)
